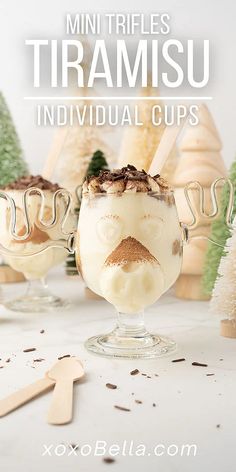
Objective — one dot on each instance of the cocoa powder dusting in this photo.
(37, 236)
(130, 250)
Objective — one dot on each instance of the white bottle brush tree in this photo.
(224, 293)
(12, 164)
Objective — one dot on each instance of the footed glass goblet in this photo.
(129, 251)
(33, 226)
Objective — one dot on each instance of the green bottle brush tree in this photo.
(12, 164)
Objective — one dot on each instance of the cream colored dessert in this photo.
(37, 266)
(129, 248)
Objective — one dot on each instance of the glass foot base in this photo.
(29, 304)
(148, 346)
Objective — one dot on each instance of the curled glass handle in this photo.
(65, 238)
(199, 208)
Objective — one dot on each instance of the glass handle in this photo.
(198, 209)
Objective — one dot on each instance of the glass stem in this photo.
(37, 288)
(130, 324)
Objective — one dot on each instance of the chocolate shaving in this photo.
(39, 360)
(122, 408)
(30, 349)
(111, 386)
(209, 375)
(108, 460)
(182, 359)
(42, 331)
(199, 364)
(154, 404)
(134, 372)
(8, 360)
(138, 401)
(63, 357)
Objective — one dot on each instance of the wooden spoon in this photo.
(24, 395)
(64, 373)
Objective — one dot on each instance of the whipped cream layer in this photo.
(33, 267)
(129, 248)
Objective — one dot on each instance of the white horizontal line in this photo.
(117, 98)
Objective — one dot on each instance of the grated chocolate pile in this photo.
(30, 181)
(127, 179)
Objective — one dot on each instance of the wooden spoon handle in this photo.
(24, 395)
(60, 411)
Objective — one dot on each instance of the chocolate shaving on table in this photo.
(42, 331)
(138, 401)
(8, 360)
(30, 349)
(199, 364)
(40, 359)
(209, 375)
(111, 386)
(182, 359)
(154, 404)
(63, 357)
(134, 372)
(122, 408)
(30, 181)
(108, 460)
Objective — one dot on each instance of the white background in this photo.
(20, 20)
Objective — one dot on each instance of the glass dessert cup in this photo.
(129, 251)
(32, 221)
(37, 298)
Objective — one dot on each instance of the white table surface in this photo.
(189, 404)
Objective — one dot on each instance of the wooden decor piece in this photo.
(56, 149)
(200, 160)
(188, 286)
(9, 275)
(228, 328)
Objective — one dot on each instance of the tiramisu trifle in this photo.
(42, 234)
(129, 250)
